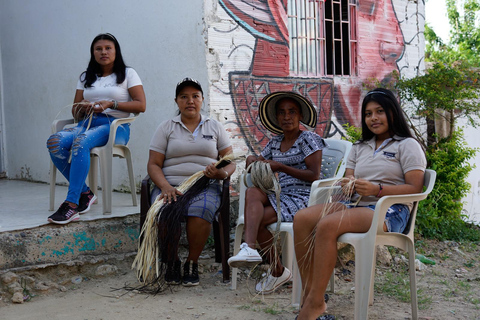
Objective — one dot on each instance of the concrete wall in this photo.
(45, 46)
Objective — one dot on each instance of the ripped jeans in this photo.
(78, 142)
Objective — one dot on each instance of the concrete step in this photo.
(83, 241)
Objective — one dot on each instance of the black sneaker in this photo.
(172, 275)
(190, 274)
(64, 214)
(86, 201)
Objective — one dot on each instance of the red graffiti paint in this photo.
(380, 46)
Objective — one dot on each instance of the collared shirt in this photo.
(387, 166)
(185, 152)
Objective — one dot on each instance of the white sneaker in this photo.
(268, 284)
(246, 257)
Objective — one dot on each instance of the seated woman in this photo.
(296, 156)
(180, 147)
(386, 161)
(107, 90)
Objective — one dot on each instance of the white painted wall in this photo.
(45, 46)
(471, 203)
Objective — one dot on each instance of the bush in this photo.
(440, 215)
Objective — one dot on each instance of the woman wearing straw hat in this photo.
(295, 156)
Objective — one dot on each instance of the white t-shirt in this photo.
(107, 88)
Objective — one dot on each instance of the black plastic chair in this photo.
(221, 226)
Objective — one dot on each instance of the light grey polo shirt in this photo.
(388, 166)
(185, 152)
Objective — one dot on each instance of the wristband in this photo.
(115, 105)
(379, 191)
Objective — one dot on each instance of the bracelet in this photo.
(379, 191)
(226, 174)
(115, 104)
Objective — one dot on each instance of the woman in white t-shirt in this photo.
(107, 90)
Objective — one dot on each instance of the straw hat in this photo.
(268, 113)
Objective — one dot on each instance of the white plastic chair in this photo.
(105, 155)
(365, 244)
(334, 161)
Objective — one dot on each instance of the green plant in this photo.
(353, 134)
(273, 309)
(440, 214)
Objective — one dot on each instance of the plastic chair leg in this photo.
(106, 177)
(93, 175)
(53, 180)
(133, 187)
(413, 280)
(236, 249)
(296, 284)
(363, 273)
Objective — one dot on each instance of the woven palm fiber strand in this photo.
(154, 252)
(77, 116)
(333, 197)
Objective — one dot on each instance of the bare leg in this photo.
(198, 231)
(255, 202)
(328, 229)
(304, 223)
(258, 215)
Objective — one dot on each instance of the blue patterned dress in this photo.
(295, 192)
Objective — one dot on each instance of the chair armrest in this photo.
(323, 183)
(59, 124)
(115, 124)
(386, 202)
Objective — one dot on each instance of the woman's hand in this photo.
(169, 193)
(274, 165)
(213, 172)
(366, 188)
(81, 109)
(250, 159)
(348, 185)
(102, 105)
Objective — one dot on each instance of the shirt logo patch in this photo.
(207, 137)
(389, 155)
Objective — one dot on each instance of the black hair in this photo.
(397, 125)
(94, 69)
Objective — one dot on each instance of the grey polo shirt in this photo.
(388, 166)
(185, 152)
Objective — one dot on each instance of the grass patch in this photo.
(397, 286)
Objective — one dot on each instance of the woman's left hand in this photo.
(213, 172)
(274, 165)
(365, 188)
(100, 106)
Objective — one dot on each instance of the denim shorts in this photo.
(396, 218)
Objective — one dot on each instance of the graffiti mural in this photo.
(379, 45)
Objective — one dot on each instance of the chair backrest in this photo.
(334, 158)
(428, 182)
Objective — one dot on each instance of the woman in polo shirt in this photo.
(180, 147)
(386, 161)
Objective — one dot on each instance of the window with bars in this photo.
(323, 37)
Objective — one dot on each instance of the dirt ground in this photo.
(450, 289)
